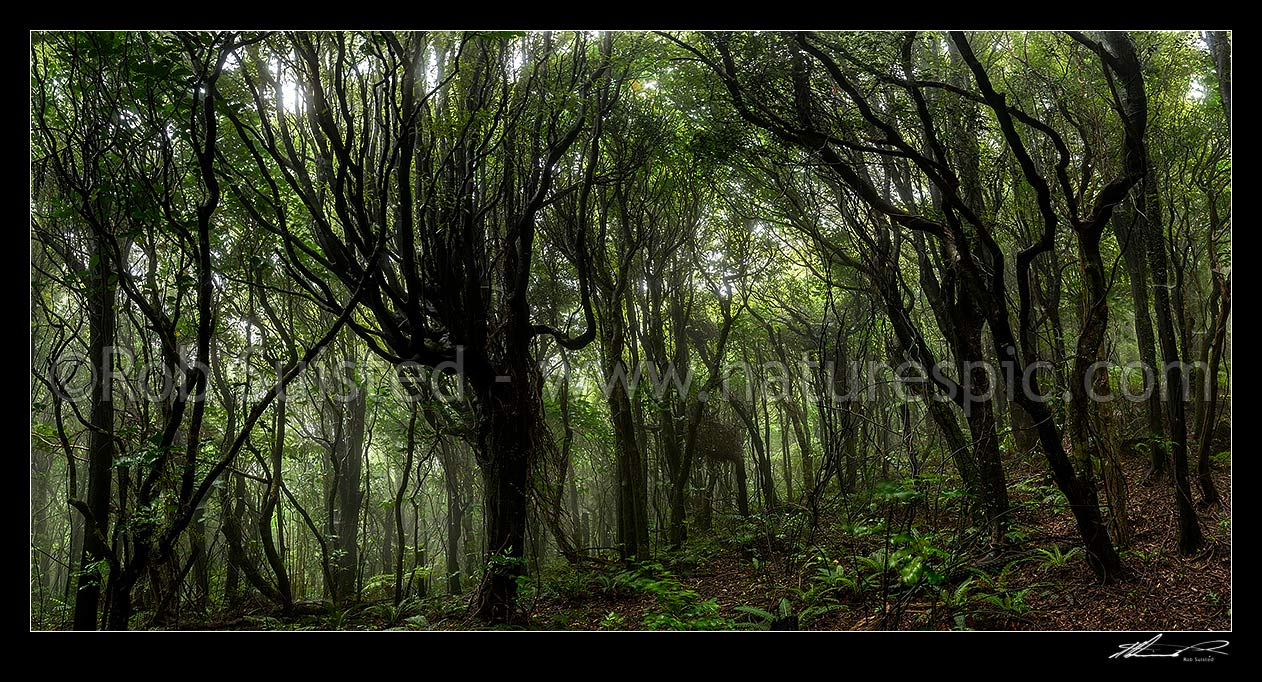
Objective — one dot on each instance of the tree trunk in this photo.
(240, 563)
(1172, 375)
(201, 562)
(399, 494)
(101, 321)
(268, 514)
(1133, 254)
(348, 453)
(742, 485)
(633, 538)
(762, 462)
(786, 462)
(507, 411)
(455, 513)
(1209, 408)
(979, 412)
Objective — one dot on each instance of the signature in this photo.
(1152, 649)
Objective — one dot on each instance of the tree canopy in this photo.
(439, 329)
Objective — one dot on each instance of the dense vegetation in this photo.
(630, 330)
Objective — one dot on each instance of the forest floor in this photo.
(1047, 587)
(773, 574)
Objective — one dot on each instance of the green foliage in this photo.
(685, 190)
(956, 597)
(765, 618)
(1010, 601)
(269, 622)
(767, 532)
(678, 608)
(695, 551)
(836, 578)
(914, 557)
(1055, 558)
(407, 611)
(1043, 494)
(1016, 535)
(505, 561)
(897, 492)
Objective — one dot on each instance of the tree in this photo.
(371, 327)
(452, 283)
(980, 271)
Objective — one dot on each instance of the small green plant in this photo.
(896, 492)
(912, 557)
(958, 601)
(568, 583)
(765, 618)
(526, 587)
(447, 606)
(1055, 558)
(678, 607)
(835, 578)
(386, 611)
(379, 586)
(613, 621)
(1055, 499)
(862, 530)
(1012, 601)
(1137, 554)
(338, 619)
(959, 596)
(265, 622)
(624, 583)
(505, 560)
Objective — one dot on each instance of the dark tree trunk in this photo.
(399, 494)
(1082, 410)
(1023, 432)
(786, 462)
(269, 513)
(979, 409)
(742, 485)
(201, 562)
(508, 410)
(850, 455)
(239, 562)
(705, 517)
(761, 461)
(633, 537)
(802, 432)
(1208, 419)
(348, 455)
(455, 514)
(768, 472)
(1083, 500)
(101, 321)
(1172, 375)
(678, 418)
(1132, 242)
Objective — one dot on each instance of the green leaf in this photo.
(912, 571)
